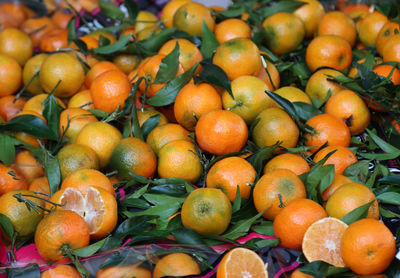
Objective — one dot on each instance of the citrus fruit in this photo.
(190, 17)
(144, 115)
(72, 120)
(145, 19)
(126, 62)
(61, 18)
(310, 14)
(269, 74)
(290, 161)
(388, 30)
(318, 85)
(391, 50)
(10, 106)
(123, 271)
(232, 28)
(30, 73)
(298, 274)
(83, 178)
(292, 94)
(337, 182)
(176, 264)
(370, 26)
(169, 10)
(341, 158)
(40, 185)
(10, 75)
(54, 40)
(98, 69)
(36, 103)
(82, 99)
(164, 134)
(386, 70)
(61, 271)
(37, 27)
(16, 44)
(11, 179)
(338, 24)
(28, 165)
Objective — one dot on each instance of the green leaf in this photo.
(150, 124)
(133, 226)
(7, 225)
(99, 113)
(115, 259)
(281, 6)
(152, 45)
(134, 203)
(379, 156)
(168, 67)
(71, 30)
(238, 200)
(188, 236)
(242, 227)
(393, 179)
(358, 172)
(305, 111)
(161, 199)
(357, 213)
(51, 111)
(169, 189)
(322, 269)
(133, 10)
(261, 156)
(169, 92)
(115, 47)
(265, 228)
(89, 250)
(81, 46)
(261, 243)
(209, 42)
(230, 13)
(30, 124)
(111, 10)
(388, 213)
(386, 147)
(163, 211)
(7, 149)
(214, 75)
(318, 179)
(286, 104)
(392, 198)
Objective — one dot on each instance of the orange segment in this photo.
(322, 239)
(241, 262)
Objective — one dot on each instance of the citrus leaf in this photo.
(209, 42)
(152, 45)
(168, 67)
(242, 227)
(322, 269)
(7, 149)
(388, 213)
(265, 228)
(232, 13)
(261, 243)
(214, 75)
(134, 225)
(393, 179)
(133, 10)
(134, 203)
(357, 213)
(392, 198)
(89, 250)
(358, 172)
(238, 200)
(163, 211)
(386, 147)
(150, 124)
(115, 47)
(71, 30)
(7, 225)
(286, 104)
(305, 111)
(169, 189)
(115, 259)
(188, 236)
(261, 156)
(161, 199)
(51, 111)
(30, 124)
(111, 10)
(281, 6)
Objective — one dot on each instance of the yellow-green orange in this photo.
(31, 73)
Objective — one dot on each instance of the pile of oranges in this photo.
(200, 120)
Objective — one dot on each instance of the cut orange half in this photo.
(96, 206)
(241, 263)
(322, 239)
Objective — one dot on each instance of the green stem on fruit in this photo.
(82, 270)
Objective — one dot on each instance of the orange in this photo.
(126, 62)
(391, 50)
(82, 99)
(347, 105)
(91, 42)
(349, 197)
(72, 120)
(61, 18)
(40, 185)
(241, 262)
(318, 85)
(144, 115)
(11, 179)
(178, 159)
(388, 30)
(275, 125)
(249, 97)
(310, 14)
(31, 73)
(132, 155)
(81, 179)
(15, 10)
(189, 54)
(169, 10)
(298, 274)
(280, 185)
(368, 247)
(327, 129)
(147, 33)
(28, 166)
(7, 20)
(293, 221)
(270, 75)
(35, 103)
(344, 26)
(97, 207)
(292, 94)
(322, 240)
(193, 101)
(16, 44)
(23, 219)
(229, 173)
(10, 75)
(203, 208)
(37, 27)
(386, 70)
(102, 138)
(232, 28)
(64, 68)
(103, 33)
(25, 137)
(337, 182)
(73, 157)
(221, 132)
(341, 159)
(164, 134)
(9, 106)
(190, 17)
(54, 40)
(145, 19)
(290, 161)
(61, 271)
(284, 32)
(328, 51)
(110, 90)
(238, 57)
(58, 231)
(370, 26)
(176, 264)
(122, 271)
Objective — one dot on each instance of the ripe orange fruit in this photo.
(349, 197)
(228, 173)
(169, 10)
(190, 17)
(61, 18)
(126, 62)
(102, 138)
(249, 97)
(370, 26)
(179, 159)
(101, 32)
(164, 134)
(290, 161)
(270, 75)
(91, 42)
(346, 105)
(310, 14)
(391, 50)
(298, 274)
(59, 230)
(284, 32)
(293, 221)
(292, 94)
(203, 208)
(241, 262)
(341, 159)
(37, 27)
(374, 253)
(274, 187)
(61, 271)
(344, 26)
(9, 106)
(10, 75)
(329, 51)
(327, 128)
(144, 115)
(35, 103)
(54, 40)
(81, 179)
(176, 264)
(221, 132)
(238, 57)
(72, 120)
(32, 68)
(15, 10)
(145, 19)
(121, 271)
(7, 20)
(73, 157)
(16, 44)
(232, 28)
(193, 101)
(24, 220)
(40, 185)
(386, 70)
(274, 125)
(28, 166)
(322, 240)
(189, 54)
(337, 182)
(98, 69)
(82, 99)
(11, 179)
(318, 85)
(64, 68)
(388, 30)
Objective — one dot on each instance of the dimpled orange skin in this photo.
(10, 75)
(311, 14)
(388, 30)
(232, 28)
(370, 26)
(338, 24)
(341, 159)
(391, 50)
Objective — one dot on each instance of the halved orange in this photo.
(241, 262)
(322, 239)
